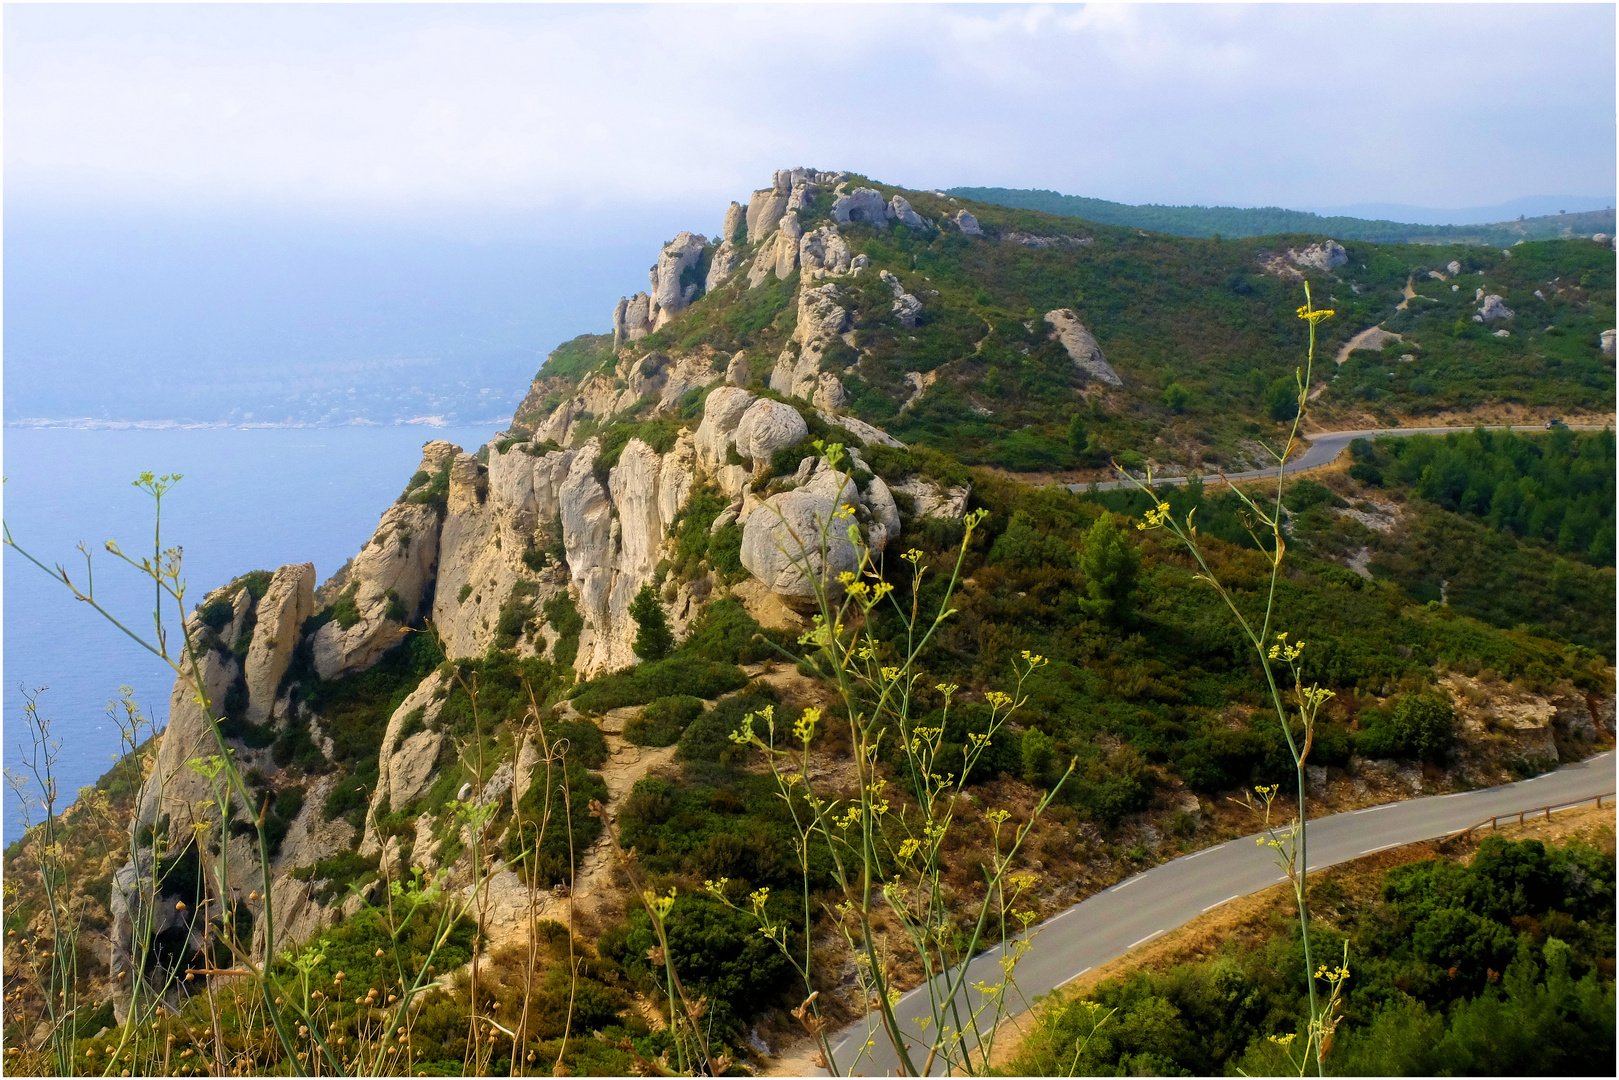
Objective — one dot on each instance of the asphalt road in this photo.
(1151, 903)
(1324, 448)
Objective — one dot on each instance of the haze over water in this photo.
(249, 500)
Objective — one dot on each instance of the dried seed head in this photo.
(179, 905)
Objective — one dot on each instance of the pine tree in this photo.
(653, 641)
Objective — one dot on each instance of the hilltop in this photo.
(584, 609)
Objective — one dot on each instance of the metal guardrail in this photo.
(1494, 822)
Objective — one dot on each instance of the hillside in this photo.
(1232, 221)
(540, 661)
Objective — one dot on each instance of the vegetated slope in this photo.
(605, 570)
(1498, 965)
(1201, 333)
(1232, 221)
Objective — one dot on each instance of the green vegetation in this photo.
(575, 359)
(1500, 967)
(1231, 221)
(653, 639)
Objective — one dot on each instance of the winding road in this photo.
(1140, 908)
(1324, 448)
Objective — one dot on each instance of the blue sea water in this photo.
(248, 500)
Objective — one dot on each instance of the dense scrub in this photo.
(1503, 966)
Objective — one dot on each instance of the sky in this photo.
(268, 205)
(465, 113)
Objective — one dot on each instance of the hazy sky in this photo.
(376, 111)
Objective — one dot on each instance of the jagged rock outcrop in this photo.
(1494, 308)
(766, 207)
(821, 319)
(727, 257)
(907, 308)
(632, 380)
(734, 229)
(289, 600)
(387, 581)
(405, 765)
(967, 223)
(823, 252)
(1082, 347)
(1606, 343)
(864, 205)
(899, 209)
(861, 430)
(934, 500)
(631, 319)
(1325, 256)
(670, 291)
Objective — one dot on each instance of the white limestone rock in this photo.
(967, 223)
(885, 524)
(765, 209)
(823, 252)
(1454, 268)
(669, 296)
(935, 500)
(399, 559)
(734, 228)
(906, 307)
(899, 209)
(637, 321)
(738, 372)
(716, 434)
(1494, 308)
(782, 541)
(861, 430)
(1607, 343)
(829, 393)
(1325, 256)
(289, 600)
(1082, 347)
(727, 257)
(862, 205)
(766, 427)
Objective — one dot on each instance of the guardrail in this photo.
(1494, 822)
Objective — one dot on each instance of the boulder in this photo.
(1607, 343)
(934, 500)
(864, 205)
(289, 600)
(766, 427)
(884, 513)
(906, 308)
(1454, 268)
(738, 372)
(900, 210)
(716, 434)
(861, 430)
(1494, 308)
(967, 223)
(1325, 256)
(782, 542)
(802, 195)
(1082, 347)
(829, 393)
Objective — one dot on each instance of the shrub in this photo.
(1419, 726)
(663, 721)
(679, 674)
(653, 639)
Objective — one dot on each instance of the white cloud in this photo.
(393, 110)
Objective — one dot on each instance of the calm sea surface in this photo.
(249, 500)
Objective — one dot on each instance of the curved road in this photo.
(1324, 448)
(1140, 908)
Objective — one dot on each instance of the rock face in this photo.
(823, 253)
(387, 582)
(967, 223)
(1082, 347)
(670, 292)
(1607, 343)
(862, 205)
(821, 321)
(1494, 308)
(631, 319)
(765, 209)
(735, 228)
(289, 600)
(934, 500)
(1325, 256)
(726, 259)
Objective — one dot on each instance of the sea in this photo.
(247, 499)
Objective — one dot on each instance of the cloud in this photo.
(375, 110)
